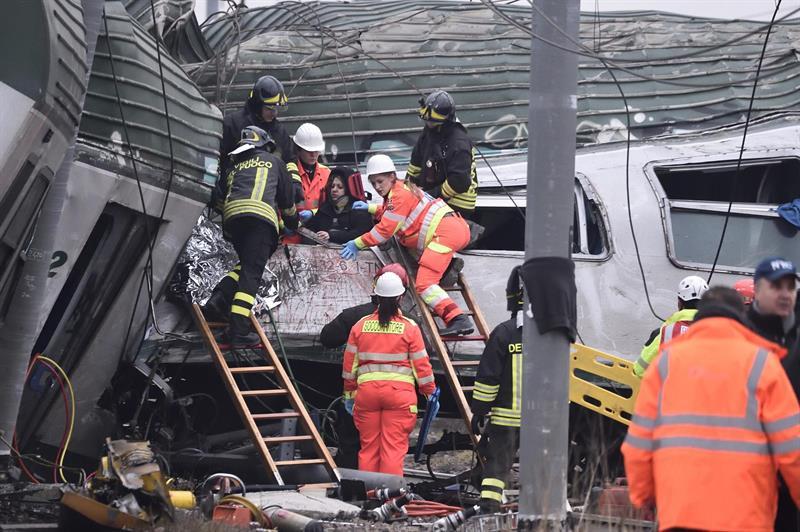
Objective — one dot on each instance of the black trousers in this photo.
(500, 451)
(786, 519)
(255, 241)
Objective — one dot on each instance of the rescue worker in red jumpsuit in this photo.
(384, 357)
(426, 225)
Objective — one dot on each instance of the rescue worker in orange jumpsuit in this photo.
(424, 224)
(384, 357)
(715, 420)
(309, 176)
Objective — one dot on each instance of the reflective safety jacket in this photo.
(414, 218)
(498, 383)
(392, 353)
(310, 185)
(257, 185)
(715, 420)
(673, 327)
(443, 164)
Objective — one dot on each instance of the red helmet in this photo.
(746, 289)
(396, 268)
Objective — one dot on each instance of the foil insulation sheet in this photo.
(206, 259)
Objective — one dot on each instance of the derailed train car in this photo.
(145, 163)
(681, 91)
(41, 86)
(144, 167)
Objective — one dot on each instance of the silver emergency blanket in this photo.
(207, 258)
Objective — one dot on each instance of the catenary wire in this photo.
(587, 52)
(628, 139)
(741, 149)
(627, 169)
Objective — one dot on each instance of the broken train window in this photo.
(505, 226)
(697, 202)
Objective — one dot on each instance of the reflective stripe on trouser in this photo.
(220, 299)
(503, 443)
(254, 240)
(242, 304)
(234, 273)
(451, 235)
(385, 414)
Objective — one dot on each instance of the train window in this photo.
(18, 231)
(748, 238)
(505, 225)
(698, 196)
(771, 181)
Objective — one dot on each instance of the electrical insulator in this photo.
(455, 520)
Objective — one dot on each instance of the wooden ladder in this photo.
(274, 372)
(441, 344)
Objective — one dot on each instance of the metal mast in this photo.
(551, 174)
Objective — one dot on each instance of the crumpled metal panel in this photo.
(175, 24)
(128, 53)
(169, 13)
(357, 69)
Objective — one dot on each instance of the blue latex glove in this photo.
(305, 215)
(349, 251)
(349, 404)
(288, 232)
(360, 206)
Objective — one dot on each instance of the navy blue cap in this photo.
(775, 268)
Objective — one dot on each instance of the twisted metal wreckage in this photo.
(109, 154)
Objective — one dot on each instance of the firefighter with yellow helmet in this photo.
(443, 159)
(261, 110)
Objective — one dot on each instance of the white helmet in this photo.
(380, 164)
(692, 287)
(389, 284)
(309, 137)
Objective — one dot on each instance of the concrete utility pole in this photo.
(551, 171)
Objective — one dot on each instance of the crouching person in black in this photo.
(335, 221)
(256, 186)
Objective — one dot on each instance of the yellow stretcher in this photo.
(603, 383)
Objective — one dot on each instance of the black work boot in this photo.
(489, 506)
(233, 340)
(458, 326)
(217, 308)
(450, 277)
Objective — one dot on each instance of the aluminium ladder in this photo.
(274, 372)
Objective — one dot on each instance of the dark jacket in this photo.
(234, 123)
(257, 185)
(443, 164)
(498, 383)
(771, 328)
(335, 333)
(341, 226)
